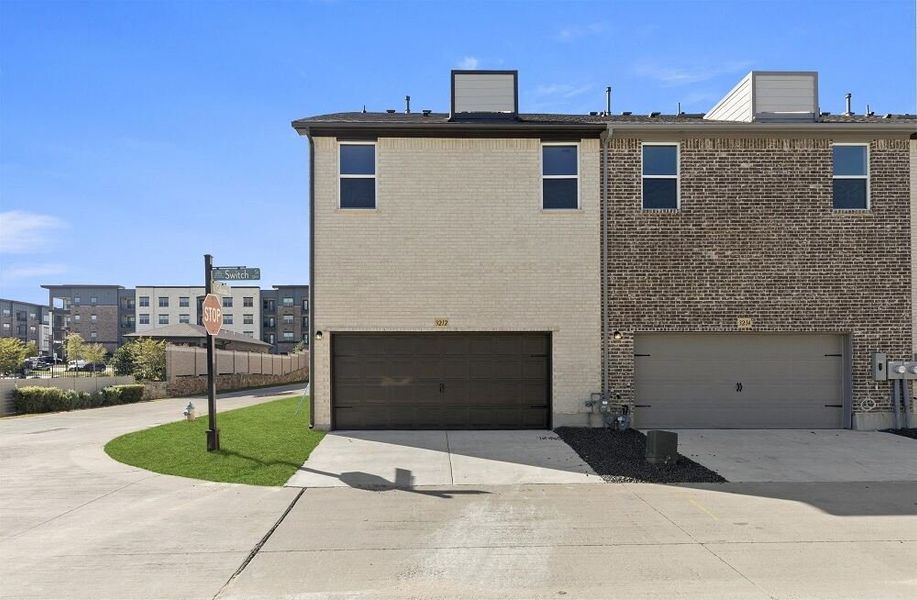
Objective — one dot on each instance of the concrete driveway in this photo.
(76, 524)
(407, 459)
(817, 455)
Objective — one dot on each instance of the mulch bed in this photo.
(619, 457)
(909, 433)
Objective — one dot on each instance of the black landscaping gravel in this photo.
(910, 433)
(619, 457)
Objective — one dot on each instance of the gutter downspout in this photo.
(604, 276)
(311, 281)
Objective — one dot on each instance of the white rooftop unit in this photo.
(485, 93)
(770, 96)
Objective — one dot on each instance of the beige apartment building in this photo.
(159, 306)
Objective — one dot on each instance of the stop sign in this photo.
(213, 314)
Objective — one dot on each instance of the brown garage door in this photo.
(441, 381)
(738, 381)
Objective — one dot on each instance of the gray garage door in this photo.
(738, 381)
(441, 381)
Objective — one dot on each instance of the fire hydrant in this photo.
(190, 412)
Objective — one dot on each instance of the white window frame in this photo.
(184, 318)
(374, 176)
(160, 318)
(867, 177)
(160, 304)
(184, 302)
(543, 176)
(143, 319)
(677, 174)
(248, 318)
(143, 301)
(227, 319)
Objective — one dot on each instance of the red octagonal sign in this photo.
(213, 314)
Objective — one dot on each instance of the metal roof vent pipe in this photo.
(608, 100)
(848, 100)
(407, 105)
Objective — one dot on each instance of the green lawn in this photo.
(259, 445)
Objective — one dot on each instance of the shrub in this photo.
(39, 399)
(122, 394)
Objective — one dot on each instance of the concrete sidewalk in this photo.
(407, 459)
(76, 524)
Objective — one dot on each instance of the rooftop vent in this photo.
(655, 114)
(390, 111)
(770, 96)
(485, 93)
(627, 113)
(426, 112)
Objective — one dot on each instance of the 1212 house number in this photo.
(440, 322)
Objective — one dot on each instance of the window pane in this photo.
(559, 160)
(660, 160)
(850, 160)
(358, 193)
(850, 193)
(358, 160)
(559, 193)
(660, 193)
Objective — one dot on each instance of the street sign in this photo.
(213, 314)
(236, 273)
(220, 289)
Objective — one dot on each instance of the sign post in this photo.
(212, 317)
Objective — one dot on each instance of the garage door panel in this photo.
(441, 380)
(727, 380)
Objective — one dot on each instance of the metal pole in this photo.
(213, 434)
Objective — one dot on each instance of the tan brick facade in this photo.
(756, 236)
(459, 234)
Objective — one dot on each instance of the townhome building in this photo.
(27, 322)
(487, 268)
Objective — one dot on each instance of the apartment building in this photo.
(92, 311)
(285, 317)
(26, 322)
(485, 268)
(159, 306)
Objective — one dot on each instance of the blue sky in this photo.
(135, 137)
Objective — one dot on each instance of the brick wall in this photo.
(756, 236)
(459, 234)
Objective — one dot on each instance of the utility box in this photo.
(661, 447)
(879, 362)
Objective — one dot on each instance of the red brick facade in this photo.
(756, 236)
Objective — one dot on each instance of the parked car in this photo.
(76, 365)
(94, 367)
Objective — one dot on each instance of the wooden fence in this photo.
(187, 361)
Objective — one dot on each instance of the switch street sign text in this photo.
(236, 273)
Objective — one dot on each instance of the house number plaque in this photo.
(440, 322)
(744, 323)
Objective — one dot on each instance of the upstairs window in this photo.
(851, 176)
(559, 176)
(163, 319)
(248, 301)
(660, 176)
(184, 301)
(184, 318)
(144, 301)
(227, 301)
(227, 318)
(358, 175)
(163, 302)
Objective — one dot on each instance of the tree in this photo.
(149, 359)
(122, 361)
(94, 354)
(300, 346)
(12, 353)
(73, 346)
(31, 349)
